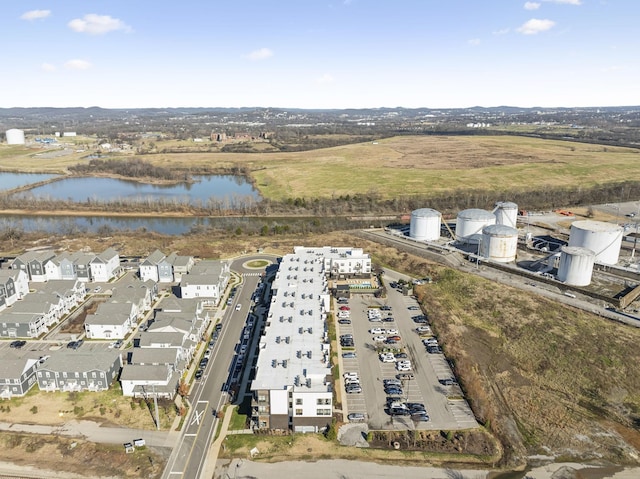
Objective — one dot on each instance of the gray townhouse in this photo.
(78, 370)
(17, 376)
(14, 285)
(33, 263)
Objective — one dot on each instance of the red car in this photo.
(344, 308)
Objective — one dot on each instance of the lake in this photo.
(205, 188)
(9, 181)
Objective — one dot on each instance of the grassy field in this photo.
(561, 380)
(405, 165)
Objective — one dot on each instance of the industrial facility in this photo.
(469, 225)
(15, 137)
(563, 256)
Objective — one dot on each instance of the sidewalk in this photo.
(214, 450)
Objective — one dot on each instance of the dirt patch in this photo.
(79, 457)
(106, 408)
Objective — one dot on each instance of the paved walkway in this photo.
(214, 450)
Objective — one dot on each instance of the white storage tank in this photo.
(604, 239)
(576, 265)
(425, 224)
(469, 224)
(15, 137)
(506, 213)
(499, 243)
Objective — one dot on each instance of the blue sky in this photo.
(320, 53)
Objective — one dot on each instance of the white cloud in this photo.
(97, 24)
(48, 67)
(568, 2)
(77, 64)
(535, 26)
(324, 79)
(35, 14)
(531, 5)
(504, 31)
(260, 54)
(474, 42)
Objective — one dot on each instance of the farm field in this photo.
(412, 165)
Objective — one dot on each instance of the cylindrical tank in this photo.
(425, 224)
(15, 137)
(576, 265)
(469, 224)
(506, 213)
(604, 239)
(499, 243)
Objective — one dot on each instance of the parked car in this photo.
(204, 362)
(388, 319)
(420, 417)
(17, 344)
(354, 389)
(385, 308)
(400, 356)
(393, 391)
(344, 321)
(413, 308)
(376, 331)
(392, 382)
(344, 308)
(403, 367)
(447, 381)
(351, 374)
(405, 376)
(387, 357)
(356, 417)
(349, 355)
(379, 339)
(75, 344)
(238, 307)
(198, 374)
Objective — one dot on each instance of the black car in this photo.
(204, 362)
(400, 356)
(388, 319)
(347, 343)
(218, 327)
(17, 344)
(344, 321)
(75, 344)
(198, 374)
(393, 391)
(385, 308)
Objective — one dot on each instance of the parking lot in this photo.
(399, 384)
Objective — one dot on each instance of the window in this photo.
(324, 412)
(299, 412)
(262, 409)
(323, 401)
(298, 401)
(262, 398)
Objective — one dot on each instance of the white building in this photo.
(293, 384)
(105, 266)
(207, 279)
(342, 262)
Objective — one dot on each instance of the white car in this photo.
(387, 357)
(379, 339)
(351, 375)
(238, 307)
(376, 331)
(392, 331)
(344, 314)
(375, 319)
(423, 329)
(403, 367)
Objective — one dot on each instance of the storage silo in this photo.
(604, 239)
(576, 265)
(469, 224)
(506, 213)
(499, 243)
(425, 224)
(15, 137)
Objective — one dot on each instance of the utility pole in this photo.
(155, 405)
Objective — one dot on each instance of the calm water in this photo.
(9, 181)
(216, 187)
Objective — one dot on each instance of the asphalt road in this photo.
(189, 457)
